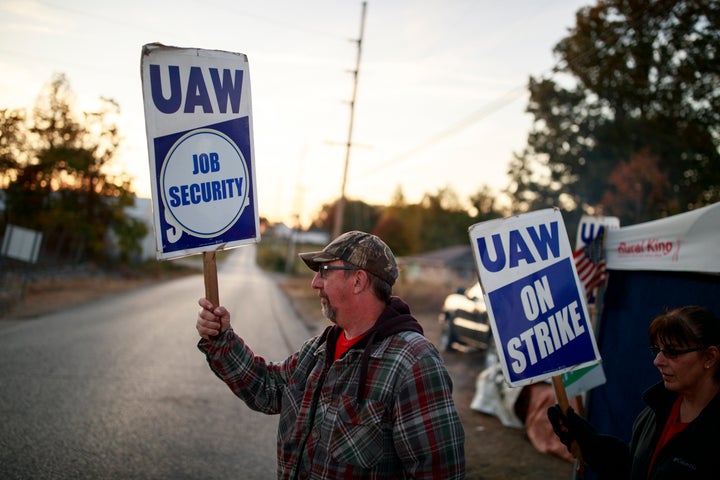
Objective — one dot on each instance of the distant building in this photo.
(451, 267)
(142, 210)
(281, 231)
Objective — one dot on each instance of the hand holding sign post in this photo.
(536, 305)
(198, 118)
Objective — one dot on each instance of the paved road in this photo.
(117, 389)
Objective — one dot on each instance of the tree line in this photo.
(627, 124)
(54, 178)
(439, 220)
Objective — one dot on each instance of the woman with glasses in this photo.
(676, 435)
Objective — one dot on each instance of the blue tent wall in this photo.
(632, 300)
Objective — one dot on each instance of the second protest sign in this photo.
(535, 302)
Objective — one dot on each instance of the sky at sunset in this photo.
(440, 100)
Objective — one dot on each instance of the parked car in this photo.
(464, 321)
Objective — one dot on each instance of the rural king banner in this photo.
(686, 242)
(535, 301)
(198, 119)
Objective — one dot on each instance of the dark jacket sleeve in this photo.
(607, 455)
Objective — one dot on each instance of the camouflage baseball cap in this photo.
(360, 249)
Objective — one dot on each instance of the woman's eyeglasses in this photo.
(671, 352)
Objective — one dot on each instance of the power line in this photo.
(274, 21)
(506, 99)
(485, 111)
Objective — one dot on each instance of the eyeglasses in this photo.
(672, 353)
(325, 268)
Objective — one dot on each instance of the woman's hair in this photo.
(687, 326)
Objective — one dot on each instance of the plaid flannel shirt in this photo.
(405, 427)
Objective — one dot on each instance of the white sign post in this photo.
(21, 243)
(198, 118)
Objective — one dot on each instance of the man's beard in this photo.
(327, 310)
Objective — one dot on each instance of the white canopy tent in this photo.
(652, 267)
(689, 242)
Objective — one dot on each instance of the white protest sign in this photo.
(580, 380)
(198, 118)
(535, 301)
(590, 227)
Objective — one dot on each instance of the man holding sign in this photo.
(369, 398)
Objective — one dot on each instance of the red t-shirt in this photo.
(673, 426)
(343, 344)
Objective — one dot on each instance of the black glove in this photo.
(603, 453)
(560, 426)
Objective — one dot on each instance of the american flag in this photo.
(590, 264)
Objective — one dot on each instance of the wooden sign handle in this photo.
(211, 279)
(562, 400)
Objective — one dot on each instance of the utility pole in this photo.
(340, 207)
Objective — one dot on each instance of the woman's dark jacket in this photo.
(692, 454)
